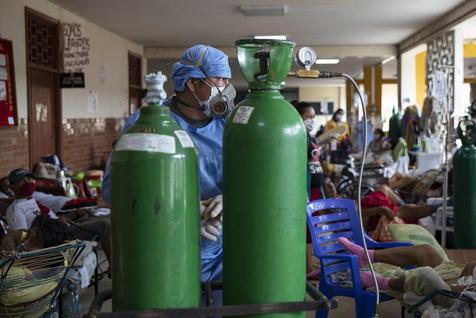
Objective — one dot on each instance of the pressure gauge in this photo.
(306, 57)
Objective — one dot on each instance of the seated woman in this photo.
(342, 147)
(380, 142)
(432, 270)
(379, 149)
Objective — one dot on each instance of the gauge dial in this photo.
(306, 57)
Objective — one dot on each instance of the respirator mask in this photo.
(221, 101)
(221, 104)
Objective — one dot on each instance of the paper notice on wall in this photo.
(3, 91)
(93, 105)
(3, 60)
(146, 142)
(41, 112)
(3, 73)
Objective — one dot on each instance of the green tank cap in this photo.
(265, 63)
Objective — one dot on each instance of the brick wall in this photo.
(85, 142)
(14, 151)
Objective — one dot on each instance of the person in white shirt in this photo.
(21, 213)
(53, 202)
(56, 203)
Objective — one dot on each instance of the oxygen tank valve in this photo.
(155, 88)
(467, 131)
(263, 56)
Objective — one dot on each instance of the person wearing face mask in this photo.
(337, 120)
(380, 142)
(203, 98)
(21, 212)
(315, 175)
(380, 149)
(24, 209)
(341, 145)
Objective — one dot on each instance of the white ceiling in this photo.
(181, 23)
(328, 25)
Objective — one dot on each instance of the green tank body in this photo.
(264, 186)
(464, 181)
(155, 215)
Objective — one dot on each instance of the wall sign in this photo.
(75, 48)
(72, 80)
(440, 76)
(8, 104)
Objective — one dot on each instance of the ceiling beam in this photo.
(443, 23)
(339, 51)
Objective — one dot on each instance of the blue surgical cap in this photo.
(200, 61)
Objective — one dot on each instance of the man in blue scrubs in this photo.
(201, 74)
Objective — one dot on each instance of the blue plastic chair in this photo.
(341, 220)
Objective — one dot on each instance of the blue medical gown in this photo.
(208, 141)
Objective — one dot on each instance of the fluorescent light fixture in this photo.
(263, 11)
(388, 59)
(270, 37)
(327, 61)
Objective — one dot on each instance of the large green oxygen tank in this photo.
(155, 214)
(464, 180)
(264, 185)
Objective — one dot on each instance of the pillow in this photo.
(416, 234)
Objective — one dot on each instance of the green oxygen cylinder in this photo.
(155, 212)
(464, 181)
(264, 185)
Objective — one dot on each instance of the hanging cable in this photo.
(359, 193)
(359, 190)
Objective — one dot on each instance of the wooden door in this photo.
(44, 111)
(135, 82)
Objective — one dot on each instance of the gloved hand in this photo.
(211, 208)
(211, 229)
(211, 217)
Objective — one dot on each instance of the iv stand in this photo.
(445, 178)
